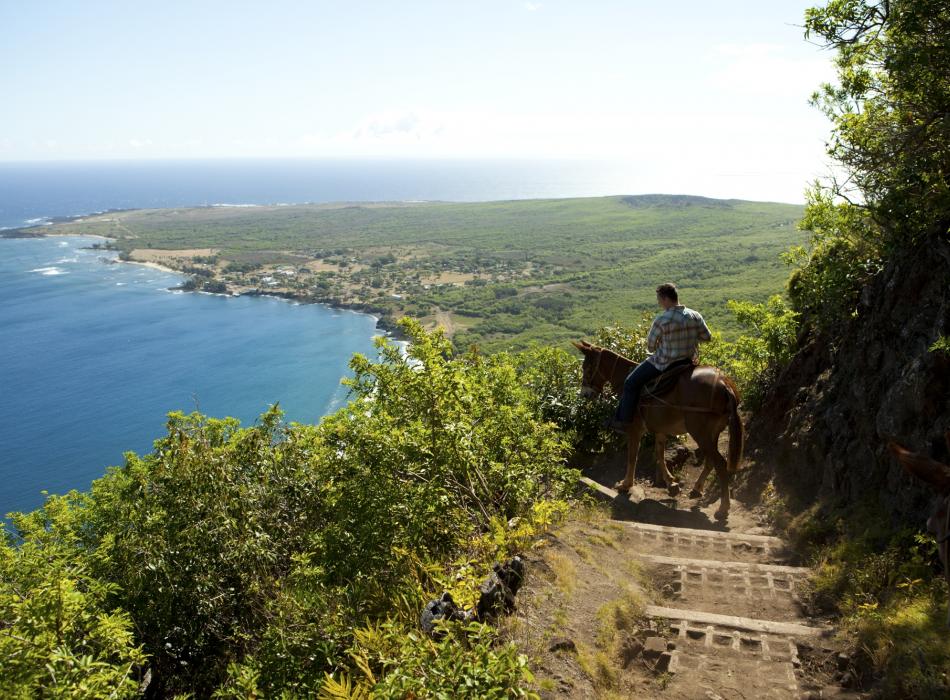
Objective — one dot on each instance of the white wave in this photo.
(37, 220)
(120, 284)
(64, 244)
(67, 260)
(235, 205)
(50, 271)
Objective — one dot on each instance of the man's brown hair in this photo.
(668, 290)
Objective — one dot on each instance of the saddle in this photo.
(666, 381)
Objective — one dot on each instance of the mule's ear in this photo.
(582, 346)
(924, 468)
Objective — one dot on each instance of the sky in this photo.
(706, 98)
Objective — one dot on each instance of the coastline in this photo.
(384, 324)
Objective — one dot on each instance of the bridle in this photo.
(595, 373)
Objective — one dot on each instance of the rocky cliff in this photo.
(824, 427)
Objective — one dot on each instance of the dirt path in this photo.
(650, 597)
(444, 319)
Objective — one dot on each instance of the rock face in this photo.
(824, 427)
(443, 608)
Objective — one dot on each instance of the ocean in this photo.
(96, 353)
(35, 191)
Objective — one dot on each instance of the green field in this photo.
(498, 274)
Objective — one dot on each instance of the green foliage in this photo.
(889, 111)
(60, 637)
(941, 345)
(886, 583)
(891, 137)
(244, 558)
(844, 254)
(754, 359)
(552, 378)
(467, 663)
(629, 341)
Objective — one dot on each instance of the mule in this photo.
(703, 402)
(937, 475)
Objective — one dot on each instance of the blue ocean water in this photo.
(36, 190)
(94, 354)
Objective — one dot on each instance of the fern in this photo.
(343, 689)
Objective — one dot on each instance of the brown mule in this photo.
(937, 475)
(702, 403)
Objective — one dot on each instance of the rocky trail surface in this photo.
(652, 598)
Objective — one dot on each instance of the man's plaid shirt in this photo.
(675, 335)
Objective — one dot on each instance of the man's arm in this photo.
(653, 337)
(704, 334)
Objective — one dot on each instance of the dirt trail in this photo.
(650, 597)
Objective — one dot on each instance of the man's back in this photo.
(675, 335)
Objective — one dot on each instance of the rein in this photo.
(613, 367)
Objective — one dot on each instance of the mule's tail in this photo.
(736, 432)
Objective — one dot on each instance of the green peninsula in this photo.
(495, 274)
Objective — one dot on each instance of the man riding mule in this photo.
(702, 400)
(673, 339)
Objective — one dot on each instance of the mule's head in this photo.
(937, 475)
(592, 381)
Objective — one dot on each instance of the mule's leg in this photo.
(722, 472)
(696, 430)
(660, 478)
(697, 490)
(716, 461)
(699, 429)
(634, 433)
(663, 475)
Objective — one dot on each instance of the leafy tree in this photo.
(891, 137)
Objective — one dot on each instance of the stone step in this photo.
(732, 656)
(713, 545)
(753, 590)
(684, 618)
(730, 662)
(754, 567)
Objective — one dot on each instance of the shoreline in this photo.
(385, 325)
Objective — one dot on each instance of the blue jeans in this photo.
(641, 374)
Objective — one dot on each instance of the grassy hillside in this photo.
(499, 274)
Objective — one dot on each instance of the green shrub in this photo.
(886, 585)
(843, 254)
(552, 378)
(243, 558)
(59, 635)
(466, 663)
(754, 359)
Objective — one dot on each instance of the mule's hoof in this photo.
(695, 494)
(722, 515)
(674, 489)
(622, 487)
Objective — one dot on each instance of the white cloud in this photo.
(397, 127)
(532, 6)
